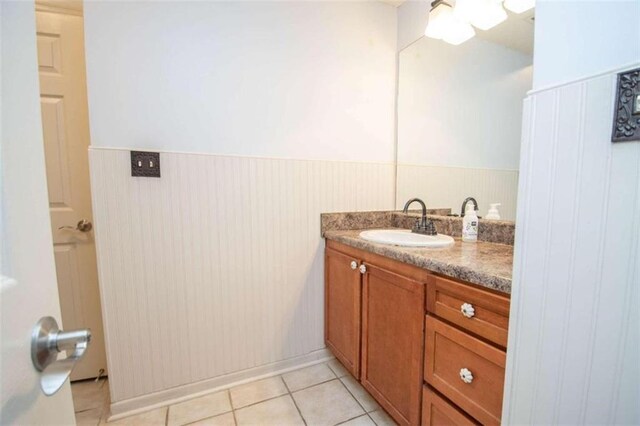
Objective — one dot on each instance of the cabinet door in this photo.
(392, 342)
(343, 309)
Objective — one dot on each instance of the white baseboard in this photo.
(182, 393)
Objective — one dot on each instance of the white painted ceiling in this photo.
(395, 3)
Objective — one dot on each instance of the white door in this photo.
(28, 289)
(63, 97)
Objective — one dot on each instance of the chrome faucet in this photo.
(423, 225)
(464, 205)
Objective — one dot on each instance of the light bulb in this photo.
(440, 18)
(444, 25)
(467, 9)
(458, 32)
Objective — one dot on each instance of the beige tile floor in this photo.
(323, 394)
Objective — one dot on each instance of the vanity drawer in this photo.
(451, 354)
(437, 411)
(487, 314)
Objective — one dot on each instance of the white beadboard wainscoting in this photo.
(574, 329)
(216, 268)
(443, 186)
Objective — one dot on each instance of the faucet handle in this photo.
(430, 228)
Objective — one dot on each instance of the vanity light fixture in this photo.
(453, 24)
(458, 32)
(482, 14)
(519, 6)
(445, 25)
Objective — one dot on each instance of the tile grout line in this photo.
(334, 371)
(293, 399)
(315, 384)
(233, 410)
(366, 413)
(374, 421)
(353, 418)
(166, 416)
(354, 397)
(208, 417)
(263, 400)
(258, 402)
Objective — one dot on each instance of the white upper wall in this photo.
(274, 79)
(461, 105)
(412, 21)
(565, 49)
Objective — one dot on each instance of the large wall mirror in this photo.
(460, 117)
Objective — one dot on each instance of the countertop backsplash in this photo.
(492, 231)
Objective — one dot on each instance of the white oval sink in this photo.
(404, 237)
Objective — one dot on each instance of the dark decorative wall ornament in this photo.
(626, 123)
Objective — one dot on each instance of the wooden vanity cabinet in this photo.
(374, 324)
(342, 306)
(392, 342)
(407, 334)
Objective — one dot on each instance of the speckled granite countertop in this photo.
(486, 264)
(490, 231)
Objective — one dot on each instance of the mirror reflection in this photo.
(460, 117)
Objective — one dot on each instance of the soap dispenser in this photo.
(493, 213)
(470, 225)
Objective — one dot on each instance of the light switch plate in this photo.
(626, 120)
(145, 164)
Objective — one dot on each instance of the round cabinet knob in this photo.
(354, 264)
(466, 376)
(363, 269)
(467, 310)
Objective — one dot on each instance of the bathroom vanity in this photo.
(423, 330)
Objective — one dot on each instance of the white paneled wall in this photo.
(216, 267)
(441, 186)
(574, 333)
